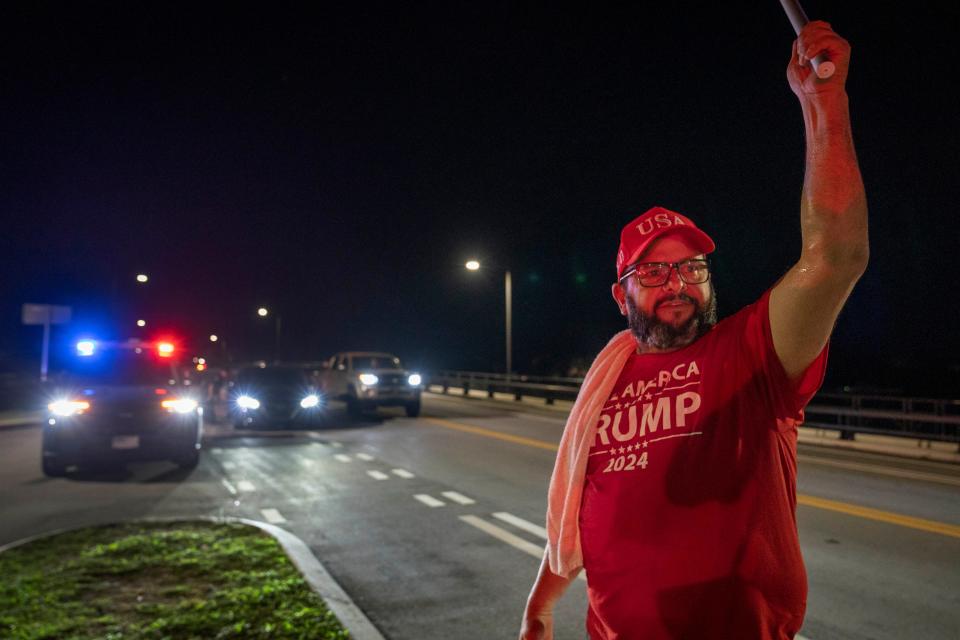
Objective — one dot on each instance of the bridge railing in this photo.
(930, 419)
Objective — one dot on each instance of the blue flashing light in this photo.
(86, 347)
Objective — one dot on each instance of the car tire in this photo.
(413, 409)
(53, 467)
(354, 408)
(189, 460)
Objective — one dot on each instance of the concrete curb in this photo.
(313, 571)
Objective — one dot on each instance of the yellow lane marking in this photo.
(489, 433)
(931, 526)
(910, 522)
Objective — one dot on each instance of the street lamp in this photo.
(141, 323)
(213, 337)
(263, 312)
(474, 265)
(142, 278)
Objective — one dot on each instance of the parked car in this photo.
(121, 401)
(366, 380)
(270, 396)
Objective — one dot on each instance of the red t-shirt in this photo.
(688, 523)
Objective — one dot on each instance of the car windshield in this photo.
(376, 361)
(278, 376)
(122, 367)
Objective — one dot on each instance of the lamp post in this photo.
(474, 265)
(263, 312)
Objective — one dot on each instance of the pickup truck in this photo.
(366, 380)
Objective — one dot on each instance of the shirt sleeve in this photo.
(786, 397)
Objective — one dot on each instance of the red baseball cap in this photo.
(656, 223)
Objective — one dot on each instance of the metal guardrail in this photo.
(929, 419)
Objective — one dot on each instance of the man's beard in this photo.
(653, 332)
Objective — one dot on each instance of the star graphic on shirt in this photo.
(622, 450)
(644, 444)
(619, 406)
(613, 452)
(649, 396)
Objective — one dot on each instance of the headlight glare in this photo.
(414, 379)
(179, 405)
(246, 402)
(66, 408)
(369, 379)
(310, 401)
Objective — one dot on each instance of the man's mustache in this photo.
(680, 296)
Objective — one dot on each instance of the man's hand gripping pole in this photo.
(798, 18)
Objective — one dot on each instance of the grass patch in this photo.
(159, 580)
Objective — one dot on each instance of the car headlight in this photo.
(179, 405)
(414, 379)
(369, 379)
(246, 402)
(66, 407)
(310, 401)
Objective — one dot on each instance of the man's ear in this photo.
(620, 297)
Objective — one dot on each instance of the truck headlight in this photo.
(65, 408)
(415, 380)
(246, 402)
(310, 401)
(369, 379)
(179, 405)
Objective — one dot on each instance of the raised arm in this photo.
(805, 303)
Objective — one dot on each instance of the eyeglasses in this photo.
(656, 274)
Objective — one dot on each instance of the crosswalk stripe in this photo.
(377, 475)
(458, 497)
(430, 501)
(365, 456)
(403, 473)
(273, 516)
(342, 457)
(246, 485)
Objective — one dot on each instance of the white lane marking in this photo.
(342, 457)
(273, 516)
(336, 444)
(403, 473)
(520, 523)
(504, 536)
(307, 462)
(246, 485)
(229, 486)
(229, 465)
(513, 540)
(365, 456)
(430, 501)
(377, 475)
(216, 450)
(458, 497)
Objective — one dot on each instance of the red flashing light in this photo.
(160, 391)
(164, 349)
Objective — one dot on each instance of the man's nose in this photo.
(674, 281)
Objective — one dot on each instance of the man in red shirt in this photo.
(684, 484)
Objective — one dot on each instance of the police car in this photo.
(121, 402)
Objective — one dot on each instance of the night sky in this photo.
(340, 166)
